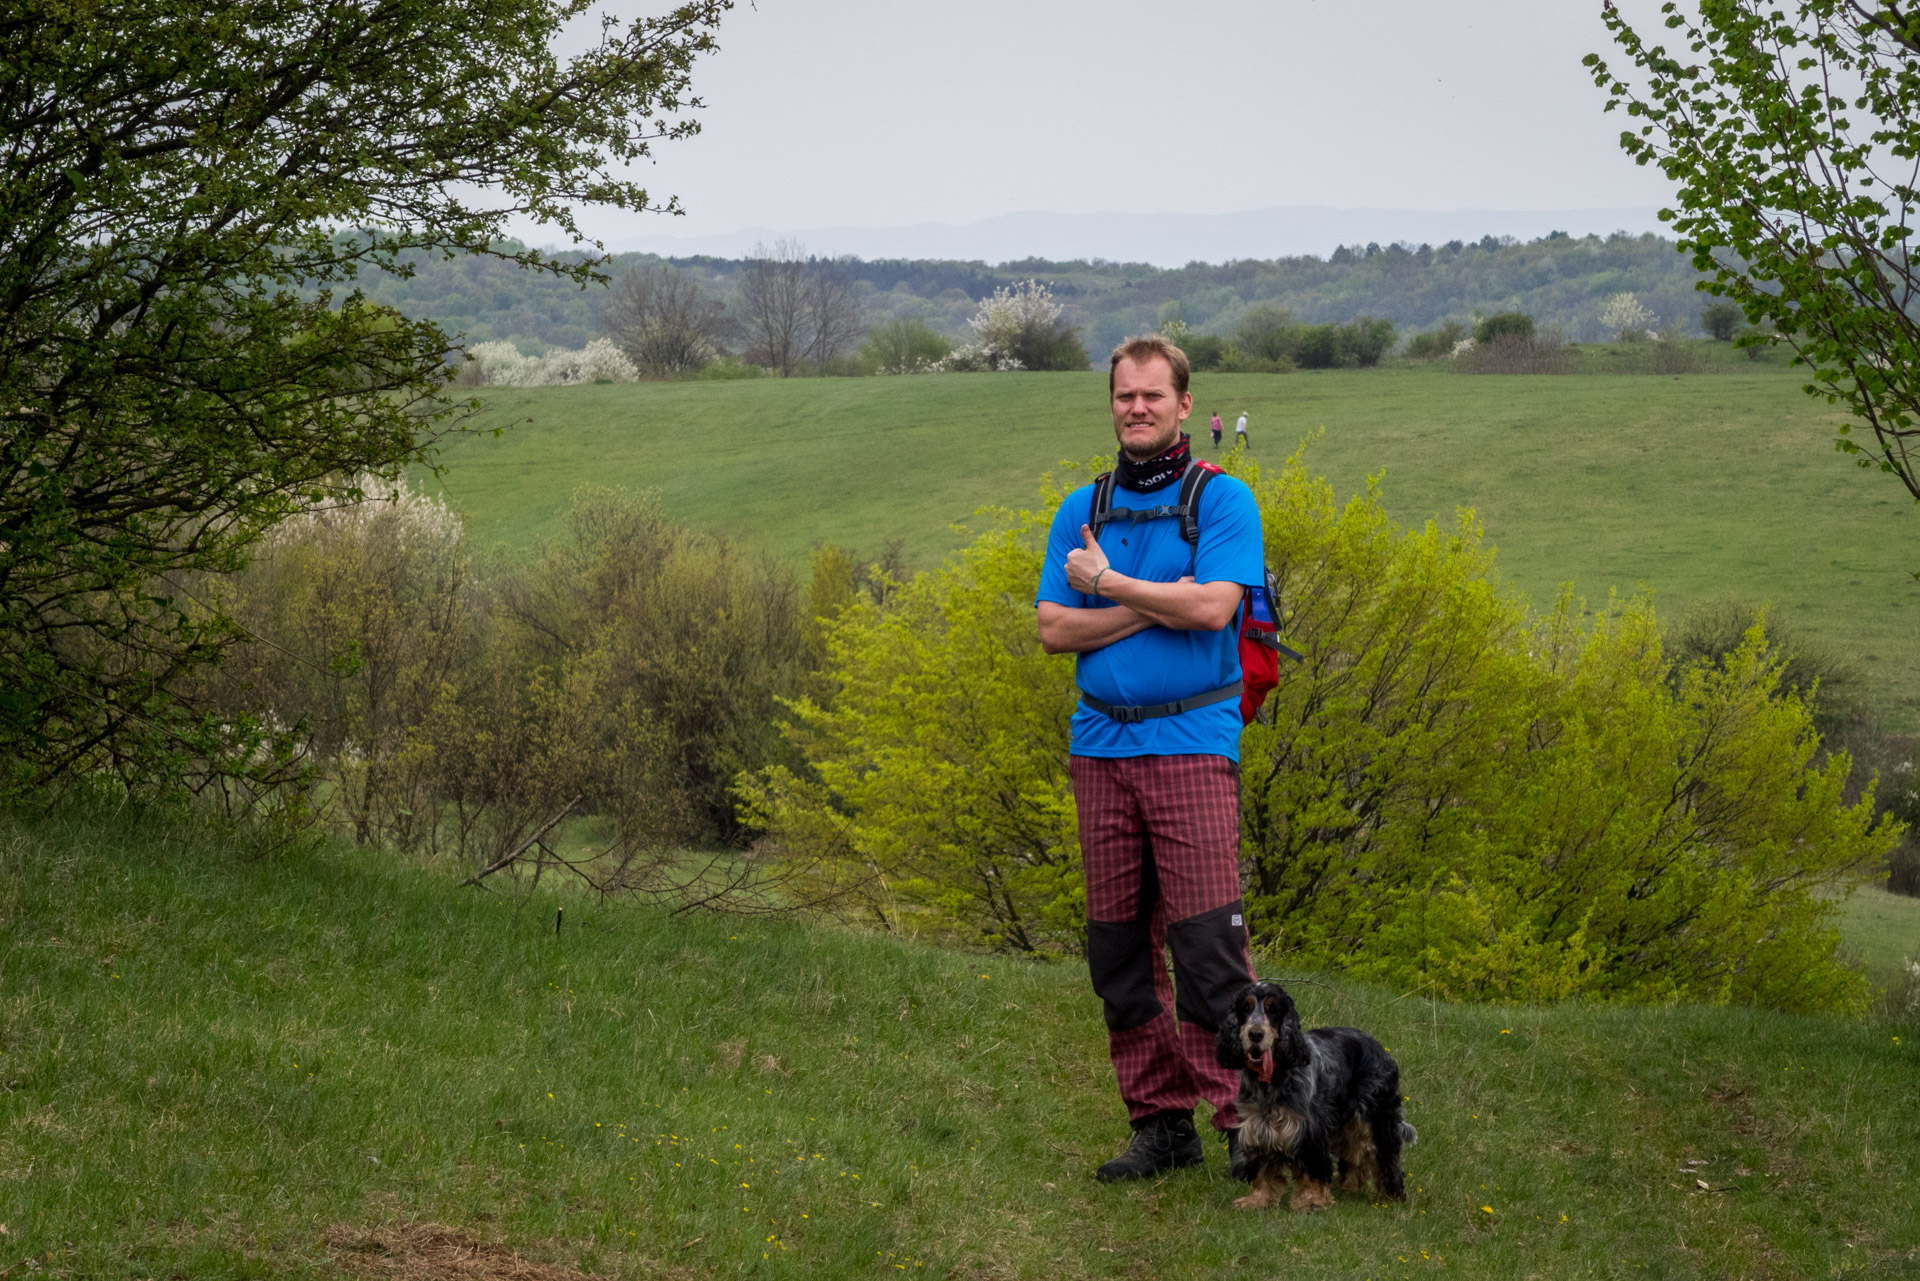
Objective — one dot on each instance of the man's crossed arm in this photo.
(1185, 606)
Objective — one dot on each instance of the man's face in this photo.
(1147, 412)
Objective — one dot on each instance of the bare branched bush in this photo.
(1546, 352)
(665, 321)
(626, 676)
(798, 311)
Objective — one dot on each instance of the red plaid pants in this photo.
(1160, 846)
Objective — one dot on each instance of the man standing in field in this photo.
(1240, 432)
(1155, 755)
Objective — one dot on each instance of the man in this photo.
(1155, 769)
(1240, 432)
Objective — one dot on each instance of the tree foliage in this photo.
(1503, 324)
(1720, 320)
(1019, 326)
(630, 662)
(1452, 794)
(1438, 342)
(936, 779)
(1793, 134)
(903, 347)
(176, 369)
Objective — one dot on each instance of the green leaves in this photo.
(1452, 794)
(1798, 207)
(170, 350)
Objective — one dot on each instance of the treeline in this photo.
(1563, 282)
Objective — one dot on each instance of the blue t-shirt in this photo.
(1161, 665)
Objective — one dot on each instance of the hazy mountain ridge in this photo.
(1161, 239)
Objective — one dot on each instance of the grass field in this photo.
(1884, 929)
(220, 1067)
(1694, 487)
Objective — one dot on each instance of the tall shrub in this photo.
(1451, 794)
(632, 664)
(1455, 796)
(936, 772)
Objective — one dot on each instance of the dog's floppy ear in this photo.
(1230, 1053)
(1292, 1036)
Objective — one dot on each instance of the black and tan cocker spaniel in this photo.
(1308, 1100)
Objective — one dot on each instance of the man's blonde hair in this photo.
(1147, 347)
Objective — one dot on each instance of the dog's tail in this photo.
(1408, 1135)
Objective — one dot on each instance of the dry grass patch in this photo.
(430, 1252)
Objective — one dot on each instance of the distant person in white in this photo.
(1240, 431)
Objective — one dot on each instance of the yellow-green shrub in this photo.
(937, 782)
(1450, 794)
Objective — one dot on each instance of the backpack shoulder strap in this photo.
(1102, 501)
(1192, 485)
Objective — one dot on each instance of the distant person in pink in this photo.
(1216, 429)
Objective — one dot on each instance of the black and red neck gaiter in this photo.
(1158, 471)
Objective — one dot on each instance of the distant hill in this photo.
(1560, 279)
(1161, 239)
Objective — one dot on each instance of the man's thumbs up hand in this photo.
(1084, 564)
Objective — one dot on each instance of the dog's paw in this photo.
(1313, 1196)
(1257, 1200)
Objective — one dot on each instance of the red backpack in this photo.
(1260, 646)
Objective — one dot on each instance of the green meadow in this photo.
(218, 1064)
(1692, 487)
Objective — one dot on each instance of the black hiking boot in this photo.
(1163, 1141)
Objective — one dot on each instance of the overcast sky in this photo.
(880, 113)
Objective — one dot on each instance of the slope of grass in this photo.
(212, 1064)
(1696, 487)
(1884, 929)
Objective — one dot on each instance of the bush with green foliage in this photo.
(1788, 134)
(1836, 689)
(936, 780)
(727, 369)
(1204, 351)
(1268, 336)
(1450, 795)
(185, 358)
(1436, 343)
(1361, 342)
(1721, 319)
(902, 347)
(632, 663)
(1503, 324)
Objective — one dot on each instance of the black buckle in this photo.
(1128, 715)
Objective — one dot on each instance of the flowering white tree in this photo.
(1627, 318)
(410, 517)
(500, 364)
(1015, 322)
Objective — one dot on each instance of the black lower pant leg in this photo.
(1209, 963)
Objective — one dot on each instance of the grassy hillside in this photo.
(222, 1067)
(1884, 929)
(1694, 487)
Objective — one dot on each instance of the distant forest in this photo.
(1561, 281)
